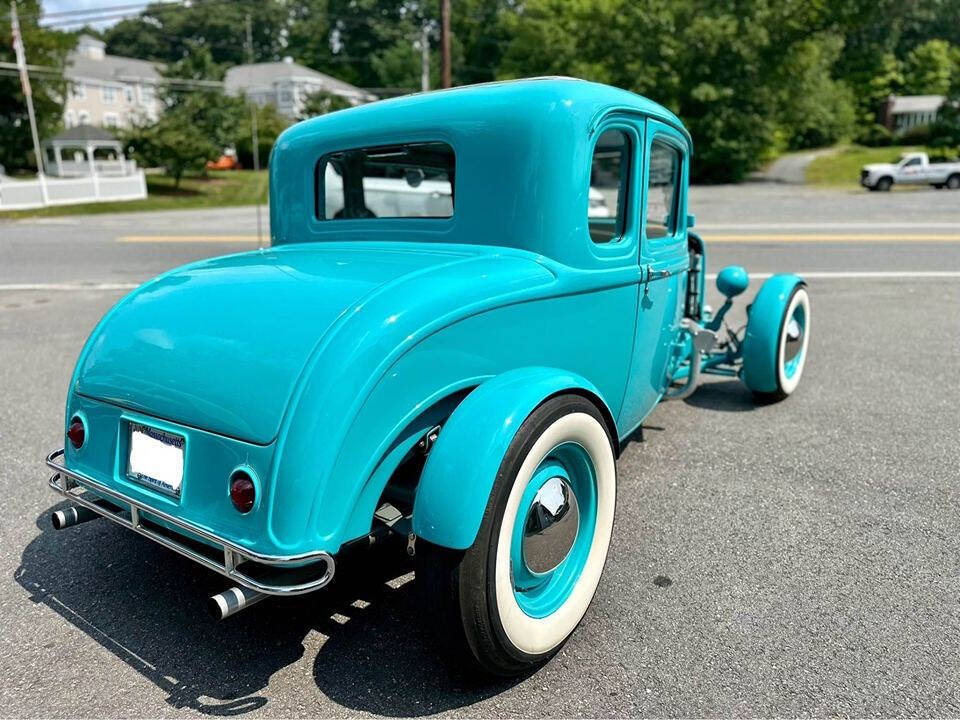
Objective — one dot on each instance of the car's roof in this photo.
(531, 98)
(522, 150)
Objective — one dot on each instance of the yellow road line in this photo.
(709, 237)
(187, 238)
(833, 237)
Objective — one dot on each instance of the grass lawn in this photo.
(218, 189)
(843, 167)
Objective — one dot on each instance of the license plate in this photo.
(156, 458)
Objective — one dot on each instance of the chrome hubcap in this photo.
(794, 341)
(551, 526)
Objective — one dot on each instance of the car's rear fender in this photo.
(460, 471)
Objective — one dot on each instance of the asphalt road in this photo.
(795, 559)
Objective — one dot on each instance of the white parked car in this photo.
(598, 207)
(912, 169)
(413, 195)
(408, 196)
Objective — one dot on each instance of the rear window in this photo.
(411, 180)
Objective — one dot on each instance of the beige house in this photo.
(107, 90)
(286, 85)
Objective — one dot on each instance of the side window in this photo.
(662, 192)
(606, 211)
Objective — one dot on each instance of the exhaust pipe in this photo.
(232, 601)
(68, 517)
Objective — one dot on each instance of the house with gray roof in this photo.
(287, 85)
(902, 113)
(108, 90)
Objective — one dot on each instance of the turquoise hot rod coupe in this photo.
(460, 371)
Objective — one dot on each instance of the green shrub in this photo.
(875, 135)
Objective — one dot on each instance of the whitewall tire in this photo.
(508, 603)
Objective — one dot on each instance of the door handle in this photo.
(656, 274)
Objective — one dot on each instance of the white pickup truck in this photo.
(912, 169)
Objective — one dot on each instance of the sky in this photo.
(104, 6)
(61, 5)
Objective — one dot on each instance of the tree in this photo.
(321, 103)
(196, 64)
(750, 78)
(480, 37)
(140, 37)
(215, 114)
(43, 47)
(170, 32)
(174, 144)
(814, 109)
(365, 42)
(219, 117)
(270, 124)
(929, 68)
(309, 35)
(945, 132)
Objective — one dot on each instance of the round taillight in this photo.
(243, 493)
(76, 433)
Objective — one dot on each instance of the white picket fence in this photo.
(27, 194)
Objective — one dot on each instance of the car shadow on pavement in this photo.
(725, 396)
(146, 605)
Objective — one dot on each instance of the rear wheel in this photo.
(953, 182)
(509, 602)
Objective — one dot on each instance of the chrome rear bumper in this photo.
(279, 574)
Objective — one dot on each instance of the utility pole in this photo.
(445, 41)
(21, 54)
(253, 130)
(425, 57)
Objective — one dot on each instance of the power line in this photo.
(141, 6)
(69, 18)
(145, 12)
(49, 73)
(151, 8)
(88, 11)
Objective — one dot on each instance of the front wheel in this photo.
(884, 184)
(509, 602)
(791, 345)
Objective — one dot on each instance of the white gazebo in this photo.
(82, 165)
(84, 151)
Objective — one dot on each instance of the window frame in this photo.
(104, 91)
(320, 189)
(627, 182)
(672, 248)
(671, 232)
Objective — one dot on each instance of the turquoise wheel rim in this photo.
(796, 330)
(540, 594)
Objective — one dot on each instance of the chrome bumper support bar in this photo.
(72, 484)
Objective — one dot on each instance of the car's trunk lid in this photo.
(220, 344)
